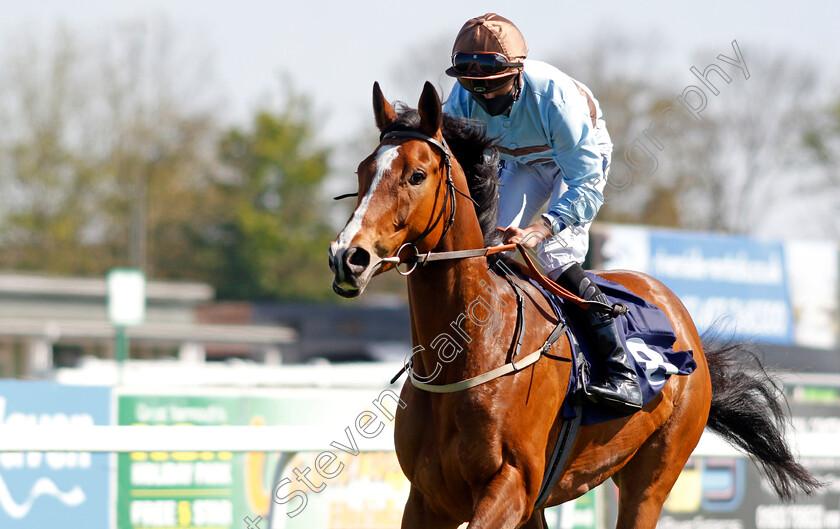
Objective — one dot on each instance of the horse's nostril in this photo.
(357, 257)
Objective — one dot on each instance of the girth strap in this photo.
(501, 371)
(566, 438)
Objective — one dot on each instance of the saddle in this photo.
(646, 334)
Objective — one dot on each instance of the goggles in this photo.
(484, 86)
(481, 63)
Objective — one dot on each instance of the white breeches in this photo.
(526, 189)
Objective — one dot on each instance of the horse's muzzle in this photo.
(352, 270)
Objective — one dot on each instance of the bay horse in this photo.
(479, 455)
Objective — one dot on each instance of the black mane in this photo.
(479, 158)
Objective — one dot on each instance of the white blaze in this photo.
(385, 156)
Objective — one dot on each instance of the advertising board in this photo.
(54, 489)
(742, 287)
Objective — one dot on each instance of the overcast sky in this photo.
(336, 50)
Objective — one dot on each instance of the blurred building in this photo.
(341, 332)
(48, 322)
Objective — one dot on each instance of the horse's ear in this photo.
(429, 108)
(382, 109)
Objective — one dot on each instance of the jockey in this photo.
(555, 149)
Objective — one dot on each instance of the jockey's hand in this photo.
(530, 237)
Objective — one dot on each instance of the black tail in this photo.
(747, 411)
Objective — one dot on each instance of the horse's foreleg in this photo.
(502, 504)
(418, 515)
(537, 521)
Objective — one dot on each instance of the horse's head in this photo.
(406, 195)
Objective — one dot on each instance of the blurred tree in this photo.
(743, 169)
(158, 127)
(111, 155)
(428, 62)
(740, 169)
(105, 150)
(822, 142)
(759, 162)
(46, 184)
(625, 75)
(272, 241)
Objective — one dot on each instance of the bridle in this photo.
(448, 197)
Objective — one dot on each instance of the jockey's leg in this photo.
(523, 192)
(619, 386)
(526, 189)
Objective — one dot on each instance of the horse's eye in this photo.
(416, 178)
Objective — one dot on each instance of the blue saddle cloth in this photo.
(647, 336)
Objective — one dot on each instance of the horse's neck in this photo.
(459, 302)
(450, 284)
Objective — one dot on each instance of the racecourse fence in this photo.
(122, 439)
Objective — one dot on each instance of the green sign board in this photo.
(162, 490)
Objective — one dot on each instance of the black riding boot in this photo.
(619, 386)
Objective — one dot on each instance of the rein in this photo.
(531, 271)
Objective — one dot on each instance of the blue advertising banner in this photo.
(737, 284)
(54, 489)
(741, 286)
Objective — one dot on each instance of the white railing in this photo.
(185, 439)
(278, 439)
